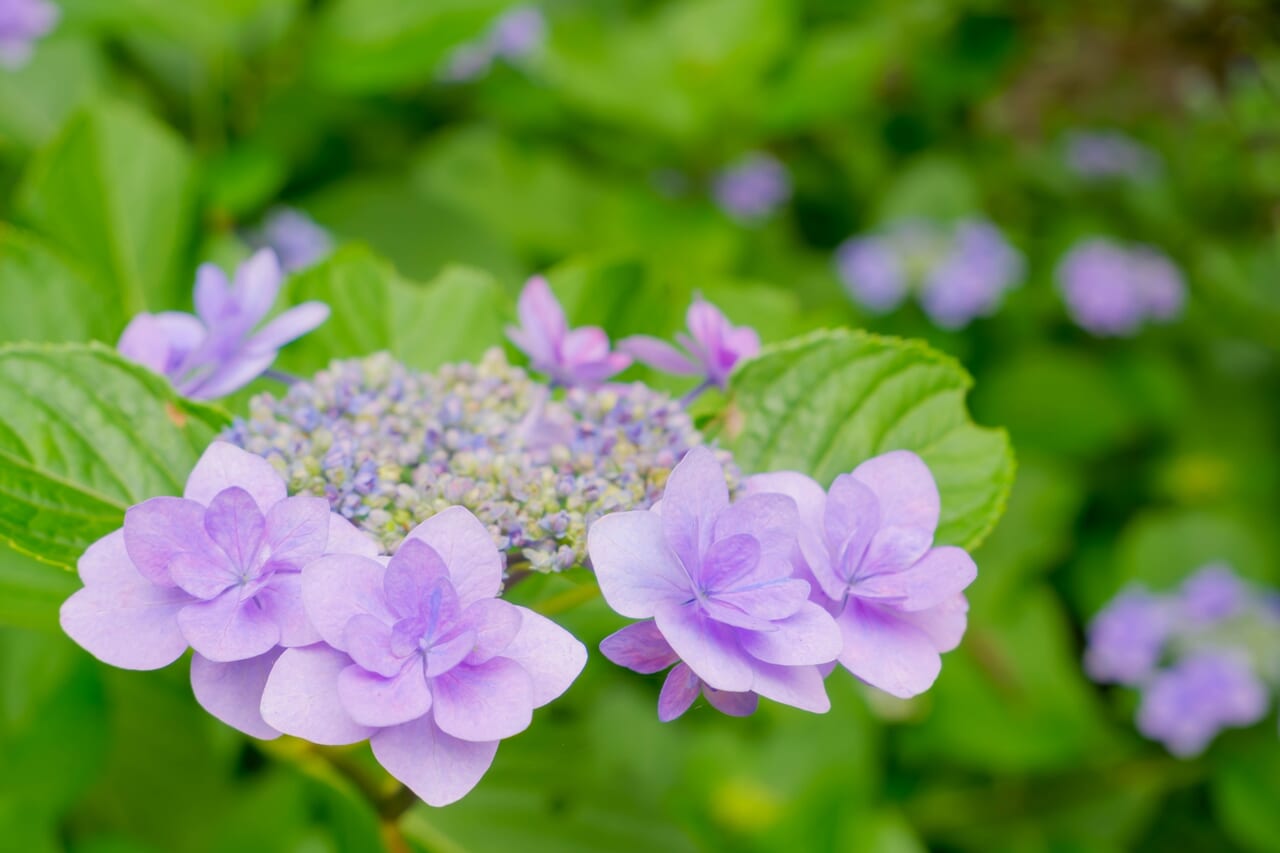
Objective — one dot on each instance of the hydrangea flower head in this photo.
(218, 351)
(718, 582)
(22, 22)
(1186, 705)
(295, 238)
(1127, 638)
(1111, 289)
(217, 570)
(753, 188)
(712, 348)
(568, 356)
(421, 658)
(867, 543)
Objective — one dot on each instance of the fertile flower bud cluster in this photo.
(1205, 656)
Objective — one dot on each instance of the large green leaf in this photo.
(823, 403)
(84, 434)
(115, 190)
(37, 284)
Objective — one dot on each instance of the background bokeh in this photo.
(146, 135)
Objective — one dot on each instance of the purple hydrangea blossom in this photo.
(217, 570)
(1106, 155)
(712, 349)
(873, 272)
(970, 281)
(1212, 594)
(22, 22)
(753, 188)
(1186, 705)
(421, 658)
(568, 356)
(1111, 289)
(218, 351)
(514, 36)
(295, 238)
(1127, 638)
(867, 545)
(717, 582)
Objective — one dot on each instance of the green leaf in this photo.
(36, 99)
(456, 317)
(30, 594)
(84, 434)
(1246, 791)
(823, 403)
(37, 284)
(115, 190)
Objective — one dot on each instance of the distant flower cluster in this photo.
(1206, 656)
(295, 238)
(1112, 289)
(753, 188)
(1109, 155)
(22, 23)
(514, 36)
(957, 272)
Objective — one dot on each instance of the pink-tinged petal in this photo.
(368, 642)
(372, 700)
(710, 649)
(297, 530)
(659, 355)
(808, 637)
(159, 530)
(678, 693)
(811, 500)
(212, 294)
(633, 565)
(467, 549)
(887, 652)
(770, 519)
(339, 587)
(414, 573)
(204, 576)
(944, 624)
(346, 538)
(288, 327)
(481, 703)
(121, 618)
(234, 522)
(495, 624)
(257, 283)
(227, 629)
(729, 563)
(707, 324)
(230, 376)
(639, 647)
(301, 697)
(447, 654)
(905, 489)
(798, 686)
(592, 373)
(232, 692)
(766, 600)
(939, 575)
(584, 346)
(733, 704)
(695, 494)
(438, 768)
(551, 656)
(281, 600)
(743, 342)
(224, 465)
(542, 320)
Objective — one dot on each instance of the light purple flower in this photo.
(867, 543)
(218, 570)
(1127, 638)
(718, 582)
(1187, 705)
(1212, 594)
(22, 22)
(421, 657)
(1102, 155)
(295, 238)
(713, 347)
(217, 351)
(753, 188)
(1111, 289)
(568, 356)
(515, 35)
(971, 280)
(872, 272)
(1159, 283)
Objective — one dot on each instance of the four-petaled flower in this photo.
(421, 658)
(713, 347)
(567, 356)
(868, 546)
(217, 351)
(718, 581)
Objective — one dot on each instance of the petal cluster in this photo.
(568, 357)
(712, 347)
(1112, 289)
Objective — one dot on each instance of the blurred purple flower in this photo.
(421, 658)
(712, 348)
(717, 579)
(753, 188)
(22, 22)
(513, 36)
(1212, 594)
(295, 238)
(1127, 638)
(1187, 705)
(971, 279)
(1111, 289)
(217, 351)
(218, 570)
(569, 357)
(1102, 155)
(867, 544)
(872, 272)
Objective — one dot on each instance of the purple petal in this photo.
(659, 355)
(584, 346)
(633, 565)
(905, 488)
(639, 647)
(851, 519)
(160, 342)
(481, 703)
(230, 375)
(372, 700)
(288, 327)
(120, 617)
(729, 562)
(339, 587)
(733, 704)
(770, 519)
(438, 768)
(212, 294)
(232, 692)
(346, 538)
(301, 697)
(368, 642)
(592, 373)
(938, 576)
(811, 537)
(159, 530)
(447, 654)
(551, 656)
(766, 600)
(798, 686)
(257, 283)
(808, 637)
(887, 652)
(281, 600)
(224, 465)
(542, 321)
(297, 530)
(495, 624)
(695, 494)
(204, 576)
(711, 650)
(227, 628)
(236, 525)
(944, 624)
(414, 574)
(678, 693)
(467, 549)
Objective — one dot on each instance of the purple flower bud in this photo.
(753, 188)
(22, 22)
(295, 238)
(1187, 705)
(569, 356)
(713, 347)
(1128, 637)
